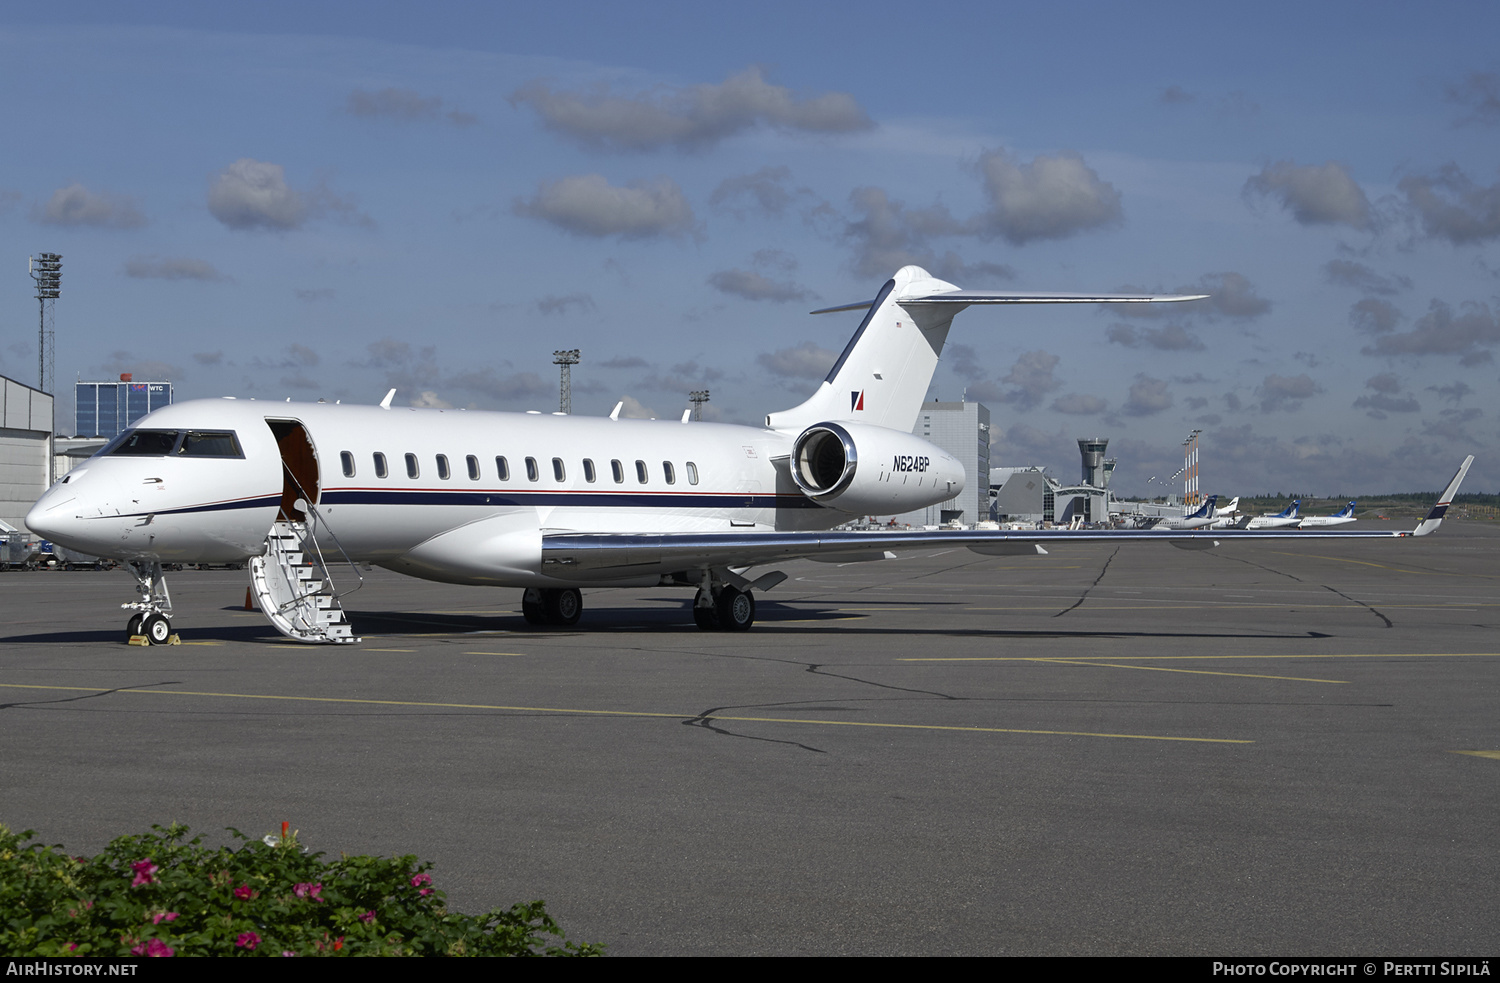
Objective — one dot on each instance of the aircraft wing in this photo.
(591, 555)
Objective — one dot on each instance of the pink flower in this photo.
(163, 916)
(420, 880)
(144, 869)
(367, 917)
(308, 891)
(244, 892)
(156, 947)
(247, 940)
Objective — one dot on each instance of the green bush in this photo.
(160, 894)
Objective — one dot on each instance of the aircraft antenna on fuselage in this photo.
(385, 404)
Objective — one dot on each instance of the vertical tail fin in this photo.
(1435, 517)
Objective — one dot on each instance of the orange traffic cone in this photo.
(249, 604)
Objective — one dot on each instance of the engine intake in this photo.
(857, 468)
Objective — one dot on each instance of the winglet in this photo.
(614, 414)
(385, 404)
(1435, 517)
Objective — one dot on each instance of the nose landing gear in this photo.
(151, 623)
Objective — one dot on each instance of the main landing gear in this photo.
(560, 606)
(727, 609)
(152, 621)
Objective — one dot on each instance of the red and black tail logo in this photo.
(856, 400)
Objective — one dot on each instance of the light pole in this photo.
(698, 397)
(567, 360)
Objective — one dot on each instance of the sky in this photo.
(326, 200)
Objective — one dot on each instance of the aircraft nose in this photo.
(51, 517)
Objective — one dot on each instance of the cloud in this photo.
(76, 205)
(1172, 338)
(633, 409)
(1079, 404)
(1480, 94)
(1442, 332)
(625, 362)
(172, 268)
(1374, 317)
(1451, 206)
(144, 369)
(1453, 425)
(1315, 195)
(687, 118)
(430, 400)
(1147, 396)
(1454, 393)
(1280, 392)
(296, 357)
(1386, 397)
(209, 358)
(253, 194)
(588, 205)
(1029, 380)
(805, 361)
(1347, 273)
(1175, 95)
(404, 106)
(765, 189)
(518, 385)
(754, 286)
(553, 304)
(684, 377)
(1049, 198)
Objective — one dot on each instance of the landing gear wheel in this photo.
(156, 629)
(736, 609)
(531, 607)
(133, 626)
(564, 606)
(705, 618)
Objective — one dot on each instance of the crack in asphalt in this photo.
(1289, 576)
(1085, 595)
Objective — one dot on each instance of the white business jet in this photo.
(548, 503)
(1343, 516)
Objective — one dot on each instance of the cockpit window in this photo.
(144, 443)
(209, 443)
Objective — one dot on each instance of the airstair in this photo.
(291, 584)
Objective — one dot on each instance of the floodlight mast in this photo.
(46, 270)
(567, 360)
(698, 397)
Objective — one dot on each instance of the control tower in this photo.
(1092, 450)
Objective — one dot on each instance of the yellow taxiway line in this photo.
(619, 713)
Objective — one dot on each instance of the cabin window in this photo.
(473, 467)
(588, 470)
(531, 472)
(640, 472)
(380, 469)
(442, 462)
(412, 470)
(204, 443)
(619, 472)
(347, 459)
(557, 469)
(692, 470)
(502, 467)
(668, 472)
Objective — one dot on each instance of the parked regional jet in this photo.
(1341, 517)
(1227, 517)
(551, 503)
(1286, 517)
(1205, 516)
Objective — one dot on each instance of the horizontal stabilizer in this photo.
(965, 298)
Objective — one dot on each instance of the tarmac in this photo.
(1276, 749)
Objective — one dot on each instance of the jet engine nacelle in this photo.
(867, 470)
